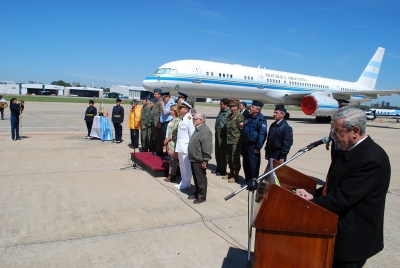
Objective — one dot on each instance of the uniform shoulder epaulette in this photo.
(189, 117)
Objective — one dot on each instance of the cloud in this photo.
(102, 78)
(197, 7)
(213, 32)
(286, 52)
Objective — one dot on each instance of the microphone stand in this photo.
(252, 186)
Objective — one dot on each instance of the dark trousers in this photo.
(200, 180)
(220, 150)
(347, 264)
(135, 138)
(251, 162)
(2, 113)
(164, 127)
(14, 127)
(159, 138)
(89, 127)
(118, 131)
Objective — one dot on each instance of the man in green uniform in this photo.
(145, 125)
(234, 127)
(157, 125)
(220, 137)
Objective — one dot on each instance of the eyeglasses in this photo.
(194, 119)
(336, 133)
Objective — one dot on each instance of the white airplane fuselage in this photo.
(316, 95)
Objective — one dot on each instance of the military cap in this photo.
(280, 108)
(164, 94)
(185, 104)
(118, 100)
(91, 101)
(153, 100)
(157, 90)
(182, 95)
(257, 103)
(234, 103)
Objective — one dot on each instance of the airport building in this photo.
(130, 92)
(83, 92)
(41, 89)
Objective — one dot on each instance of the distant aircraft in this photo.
(386, 113)
(315, 95)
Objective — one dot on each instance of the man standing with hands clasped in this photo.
(355, 189)
(280, 137)
(200, 150)
(117, 119)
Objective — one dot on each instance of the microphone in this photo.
(324, 140)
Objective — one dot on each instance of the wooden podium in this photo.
(291, 231)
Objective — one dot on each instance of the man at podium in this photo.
(355, 189)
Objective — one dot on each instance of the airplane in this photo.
(315, 95)
(386, 113)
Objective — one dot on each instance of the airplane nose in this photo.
(148, 84)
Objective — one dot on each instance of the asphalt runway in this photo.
(65, 202)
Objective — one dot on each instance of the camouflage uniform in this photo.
(145, 120)
(234, 127)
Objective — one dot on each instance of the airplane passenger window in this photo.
(206, 73)
(251, 78)
(219, 74)
(231, 76)
(244, 77)
(223, 75)
(212, 74)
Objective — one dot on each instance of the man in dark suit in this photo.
(355, 189)
(243, 109)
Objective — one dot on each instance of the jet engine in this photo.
(319, 104)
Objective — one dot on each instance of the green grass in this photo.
(30, 98)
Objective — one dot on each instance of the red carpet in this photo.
(152, 164)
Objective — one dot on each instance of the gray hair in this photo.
(258, 108)
(352, 117)
(202, 116)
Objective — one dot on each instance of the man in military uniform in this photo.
(152, 145)
(157, 125)
(145, 125)
(220, 137)
(234, 126)
(185, 131)
(200, 150)
(253, 136)
(183, 96)
(117, 119)
(90, 113)
(280, 137)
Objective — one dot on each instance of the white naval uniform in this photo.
(185, 131)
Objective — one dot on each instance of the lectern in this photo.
(291, 231)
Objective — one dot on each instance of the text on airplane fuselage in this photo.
(279, 76)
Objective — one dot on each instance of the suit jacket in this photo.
(246, 113)
(358, 181)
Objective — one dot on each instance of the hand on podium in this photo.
(304, 194)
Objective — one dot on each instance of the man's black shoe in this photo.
(154, 153)
(222, 173)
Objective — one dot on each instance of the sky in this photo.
(121, 42)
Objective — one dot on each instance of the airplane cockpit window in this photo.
(163, 71)
(174, 71)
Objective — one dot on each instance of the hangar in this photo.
(128, 91)
(84, 92)
(41, 89)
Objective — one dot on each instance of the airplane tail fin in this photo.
(370, 74)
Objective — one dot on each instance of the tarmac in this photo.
(65, 202)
